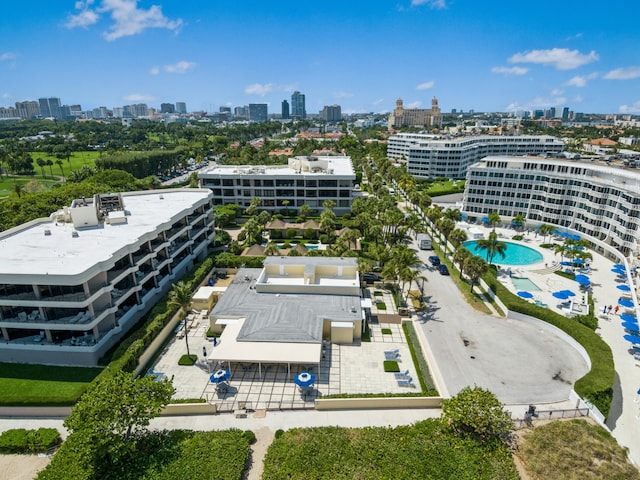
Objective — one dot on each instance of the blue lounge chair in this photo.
(402, 375)
(392, 352)
(406, 383)
(391, 356)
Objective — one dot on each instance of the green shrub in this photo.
(188, 360)
(279, 433)
(21, 440)
(291, 233)
(391, 366)
(378, 293)
(386, 331)
(517, 237)
(249, 436)
(309, 234)
(381, 306)
(275, 234)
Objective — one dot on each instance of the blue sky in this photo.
(486, 56)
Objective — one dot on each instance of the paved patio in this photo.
(354, 368)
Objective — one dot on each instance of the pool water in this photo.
(515, 254)
(521, 283)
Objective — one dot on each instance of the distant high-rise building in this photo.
(285, 109)
(167, 108)
(50, 107)
(258, 112)
(8, 112)
(241, 112)
(28, 109)
(331, 113)
(225, 109)
(415, 117)
(140, 110)
(298, 109)
(565, 113)
(181, 107)
(453, 111)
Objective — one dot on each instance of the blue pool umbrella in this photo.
(631, 326)
(574, 237)
(568, 293)
(485, 219)
(565, 263)
(625, 302)
(632, 338)
(624, 288)
(578, 261)
(220, 376)
(620, 265)
(582, 279)
(463, 216)
(627, 317)
(524, 294)
(305, 379)
(618, 270)
(562, 295)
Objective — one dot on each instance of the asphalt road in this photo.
(519, 362)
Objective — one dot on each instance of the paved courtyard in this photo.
(355, 368)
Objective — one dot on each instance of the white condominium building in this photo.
(73, 284)
(304, 180)
(449, 157)
(601, 202)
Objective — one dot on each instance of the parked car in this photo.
(371, 277)
(443, 269)
(434, 260)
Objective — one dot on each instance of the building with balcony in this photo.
(599, 202)
(415, 117)
(304, 180)
(72, 285)
(429, 156)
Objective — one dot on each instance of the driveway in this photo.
(519, 362)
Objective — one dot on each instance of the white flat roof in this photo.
(230, 350)
(28, 251)
(339, 165)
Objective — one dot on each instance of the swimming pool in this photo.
(522, 283)
(515, 254)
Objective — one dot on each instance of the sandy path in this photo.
(264, 437)
(22, 467)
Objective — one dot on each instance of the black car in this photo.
(371, 277)
(434, 260)
(443, 269)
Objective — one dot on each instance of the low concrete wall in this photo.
(34, 412)
(434, 369)
(382, 402)
(189, 409)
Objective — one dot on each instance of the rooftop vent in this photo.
(161, 197)
(74, 234)
(47, 232)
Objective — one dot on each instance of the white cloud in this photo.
(138, 97)
(581, 80)
(560, 58)
(426, 85)
(7, 56)
(557, 91)
(259, 89)
(6, 95)
(627, 73)
(180, 67)
(436, 4)
(510, 70)
(127, 18)
(633, 108)
(413, 104)
(342, 95)
(154, 70)
(538, 102)
(378, 101)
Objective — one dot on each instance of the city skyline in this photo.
(360, 55)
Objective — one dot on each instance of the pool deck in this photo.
(624, 417)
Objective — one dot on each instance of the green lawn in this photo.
(22, 384)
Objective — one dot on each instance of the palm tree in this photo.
(59, 163)
(18, 188)
(49, 164)
(180, 296)
(271, 249)
(519, 222)
(446, 226)
(492, 246)
(41, 163)
(457, 237)
(494, 219)
(474, 268)
(545, 229)
(460, 256)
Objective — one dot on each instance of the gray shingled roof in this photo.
(273, 317)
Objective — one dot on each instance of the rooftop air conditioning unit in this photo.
(47, 232)
(74, 234)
